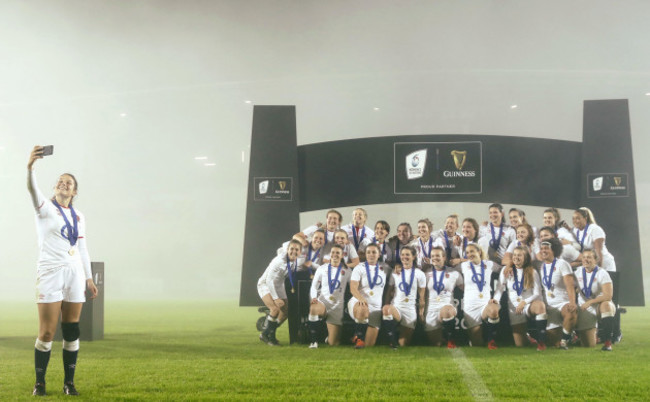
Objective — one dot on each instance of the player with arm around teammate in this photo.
(477, 304)
(270, 288)
(559, 291)
(327, 298)
(441, 313)
(405, 287)
(595, 300)
(523, 287)
(63, 273)
(496, 236)
(470, 234)
(367, 287)
(350, 256)
(382, 229)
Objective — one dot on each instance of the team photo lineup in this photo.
(556, 283)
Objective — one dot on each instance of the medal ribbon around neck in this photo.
(383, 248)
(73, 232)
(587, 288)
(292, 273)
(427, 254)
(357, 241)
(398, 260)
(372, 283)
(407, 288)
(464, 247)
(547, 278)
(438, 285)
(333, 284)
(494, 243)
(448, 246)
(518, 285)
(479, 283)
(309, 257)
(584, 235)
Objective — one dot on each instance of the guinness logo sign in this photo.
(282, 184)
(460, 157)
(617, 180)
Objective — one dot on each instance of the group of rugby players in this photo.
(557, 279)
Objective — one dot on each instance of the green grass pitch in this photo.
(209, 350)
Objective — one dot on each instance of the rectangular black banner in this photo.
(273, 188)
(438, 167)
(607, 185)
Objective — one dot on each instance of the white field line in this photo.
(473, 380)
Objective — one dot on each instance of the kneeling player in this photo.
(367, 288)
(441, 313)
(402, 308)
(270, 287)
(327, 301)
(595, 300)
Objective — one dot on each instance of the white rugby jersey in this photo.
(53, 243)
(349, 252)
(602, 277)
(321, 283)
(472, 293)
(508, 285)
(275, 274)
(316, 256)
(309, 232)
(450, 280)
(360, 274)
(419, 282)
(361, 234)
(424, 248)
(554, 289)
(508, 235)
(593, 233)
(384, 248)
(439, 235)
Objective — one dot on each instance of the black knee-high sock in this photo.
(449, 327)
(360, 330)
(617, 324)
(41, 359)
(492, 324)
(566, 336)
(608, 326)
(270, 328)
(391, 330)
(313, 330)
(541, 330)
(69, 364)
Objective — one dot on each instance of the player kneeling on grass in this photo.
(367, 287)
(477, 304)
(441, 313)
(595, 300)
(402, 308)
(270, 287)
(559, 289)
(327, 294)
(524, 297)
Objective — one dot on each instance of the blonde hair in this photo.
(589, 215)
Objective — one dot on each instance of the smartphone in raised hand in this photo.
(48, 150)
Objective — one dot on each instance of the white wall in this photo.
(129, 92)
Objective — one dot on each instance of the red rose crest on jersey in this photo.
(447, 275)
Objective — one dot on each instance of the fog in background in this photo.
(130, 92)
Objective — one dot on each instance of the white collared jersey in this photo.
(309, 232)
(439, 235)
(424, 248)
(321, 283)
(595, 232)
(450, 280)
(360, 274)
(384, 248)
(507, 237)
(565, 234)
(362, 234)
(53, 244)
(471, 293)
(531, 250)
(556, 284)
(419, 282)
(507, 284)
(349, 252)
(569, 254)
(602, 277)
(459, 251)
(275, 274)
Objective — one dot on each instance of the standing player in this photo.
(522, 284)
(470, 235)
(496, 236)
(333, 220)
(271, 289)
(569, 253)
(382, 228)
(551, 218)
(357, 230)
(441, 313)
(367, 287)
(477, 303)
(403, 238)
(402, 309)
(595, 300)
(525, 238)
(327, 294)
(590, 236)
(350, 256)
(63, 273)
(425, 243)
(559, 291)
(447, 235)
